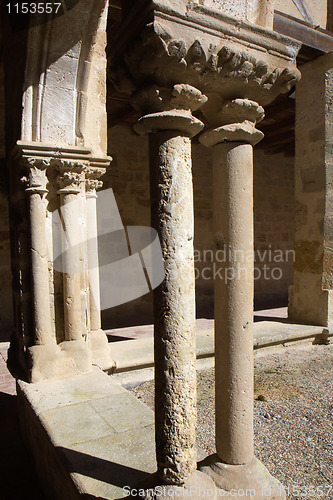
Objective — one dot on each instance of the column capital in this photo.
(36, 179)
(70, 175)
(169, 108)
(92, 182)
(238, 118)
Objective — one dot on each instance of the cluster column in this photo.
(170, 130)
(234, 465)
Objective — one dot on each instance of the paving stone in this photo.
(123, 412)
(69, 391)
(74, 423)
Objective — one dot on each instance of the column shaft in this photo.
(233, 219)
(174, 306)
(71, 266)
(93, 273)
(40, 271)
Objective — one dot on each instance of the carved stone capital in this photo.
(36, 179)
(238, 119)
(92, 182)
(169, 109)
(71, 175)
(177, 97)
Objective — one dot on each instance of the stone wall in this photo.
(311, 293)
(128, 175)
(273, 227)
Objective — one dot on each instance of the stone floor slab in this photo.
(70, 391)
(118, 412)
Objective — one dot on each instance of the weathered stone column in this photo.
(234, 466)
(311, 295)
(71, 180)
(97, 337)
(170, 131)
(42, 353)
(39, 252)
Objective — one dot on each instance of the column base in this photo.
(251, 480)
(79, 352)
(100, 349)
(198, 486)
(45, 362)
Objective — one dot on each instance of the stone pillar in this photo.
(169, 132)
(71, 181)
(97, 337)
(39, 252)
(234, 466)
(311, 295)
(44, 349)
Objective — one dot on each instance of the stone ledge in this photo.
(89, 436)
(138, 354)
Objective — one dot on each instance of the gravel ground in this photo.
(293, 417)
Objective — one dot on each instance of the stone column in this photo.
(44, 349)
(311, 295)
(234, 466)
(169, 132)
(39, 252)
(71, 180)
(97, 337)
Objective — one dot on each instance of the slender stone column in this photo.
(39, 252)
(71, 181)
(42, 355)
(92, 183)
(234, 466)
(174, 300)
(97, 337)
